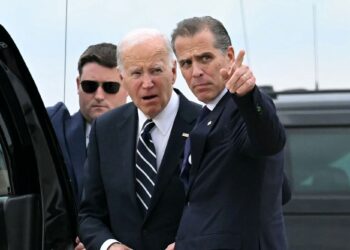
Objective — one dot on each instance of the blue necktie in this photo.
(187, 162)
(146, 166)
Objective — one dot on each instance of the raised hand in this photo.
(239, 78)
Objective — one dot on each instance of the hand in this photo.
(80, 245)
(118, 246)
(240, 79)
(171, 246)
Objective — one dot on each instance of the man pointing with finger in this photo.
(233, 160)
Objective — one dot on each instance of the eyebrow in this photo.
(157, 65)
(185, 60)
(203, 54)
(196, 57)
(133, 68)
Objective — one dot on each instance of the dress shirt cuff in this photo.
(108, 243)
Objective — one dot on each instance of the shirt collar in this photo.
(212, 104)
(87, 132)
(166, 117)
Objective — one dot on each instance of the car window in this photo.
(4, 179)
(5, 142)
(318, 160)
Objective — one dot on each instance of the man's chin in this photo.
(98, 113)
(99, 110)
(151, 111)
(203, 97)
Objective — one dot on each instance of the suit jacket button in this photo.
(188, 203)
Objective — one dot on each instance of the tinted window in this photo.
(4, 179)
(318, 160)
(5, 148)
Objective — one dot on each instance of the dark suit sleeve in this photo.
(59, 115)
(286, 191)
(57, 111)
(93, 215)
(265, 132)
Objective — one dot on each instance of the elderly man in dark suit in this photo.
(99, 90)
(233, 168)
(133, 197)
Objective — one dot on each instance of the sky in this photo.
(290, 44)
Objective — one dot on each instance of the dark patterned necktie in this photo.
(187, 162)
(146, 166)
(204, 112)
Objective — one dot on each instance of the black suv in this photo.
(36, 201)
(318, 166)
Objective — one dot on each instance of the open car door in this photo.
(37, 208)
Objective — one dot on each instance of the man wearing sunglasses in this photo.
(99, 90)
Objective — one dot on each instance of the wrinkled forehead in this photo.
(145, 54)
(187, 46)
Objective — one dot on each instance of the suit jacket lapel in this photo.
(171, 161)
(199, 137)
(76, 144)
(125, 157)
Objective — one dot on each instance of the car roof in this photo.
(320, 100)
(300, 108)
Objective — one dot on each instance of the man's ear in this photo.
(78, 83)
(120, 73)
(231, 54)
(174, 70)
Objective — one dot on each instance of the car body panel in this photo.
(318, 167)
(39, 197)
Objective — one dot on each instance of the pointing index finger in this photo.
(239, 59)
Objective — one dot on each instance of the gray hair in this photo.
(139, 36)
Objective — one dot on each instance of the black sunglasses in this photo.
(90, 86)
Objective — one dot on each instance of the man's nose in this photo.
(147, 81)
(99, 94)
(196, 70)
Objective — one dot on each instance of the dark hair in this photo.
(191, 26)
(104, 54)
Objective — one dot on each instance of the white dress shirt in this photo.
(163, 124)
(160, 135)
(87, 133)
(212, 104)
